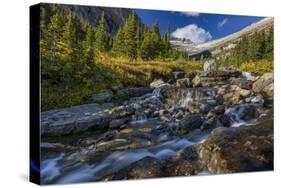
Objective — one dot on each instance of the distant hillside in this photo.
(215, 47)
(115, 17)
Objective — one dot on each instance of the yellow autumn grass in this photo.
(261, 66)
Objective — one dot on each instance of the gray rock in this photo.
(75, 119)
(132, 92)
(264, 85)
(184, 82)
(258, 99)
(242, 83)
(102, 97)
(210, 65)
(191, 122)
(156, 83)
(207, 105)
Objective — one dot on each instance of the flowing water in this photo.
(62, 167)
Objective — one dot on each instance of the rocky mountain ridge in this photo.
(215, 47)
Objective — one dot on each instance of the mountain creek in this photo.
(197, 123)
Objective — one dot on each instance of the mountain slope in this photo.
(115, 17)
(215, 47)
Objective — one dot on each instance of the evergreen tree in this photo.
(146, 49)
(70, 41)
(50, 43)
(88, 45)
(130, 36)
(156, 38)
(166, 42)
(269, 45)
(118, 43)
(101, 38)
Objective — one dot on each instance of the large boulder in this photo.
(210, 65)
(239, 149)
(264, 85)
(75, 119)
(190, 122)
(147, 167)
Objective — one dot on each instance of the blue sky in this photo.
(200, 27)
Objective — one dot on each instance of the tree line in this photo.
(69, 44)
(252, 48)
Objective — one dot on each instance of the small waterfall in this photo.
(186, 100)
(235, 115)
(248, 76)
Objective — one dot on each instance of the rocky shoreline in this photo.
(214, 121)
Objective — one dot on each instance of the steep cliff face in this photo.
(115, 17)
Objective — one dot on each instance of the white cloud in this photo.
(193, 32)
(222, 23)
(193, 14)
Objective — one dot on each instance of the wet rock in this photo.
(132, 92)
(257, 99)
(218, 110)
(147, 167)
(46, 146)
(210, 65)
(194, 108)
(242, 83)
(179, 115)
(156, 83)
(184, 82)
(223, 121)
(244, 112)
(239, 149)
(122, 111)
(264, 84)
(109, 135)
(75, 119)
(110, 145)
(141, 135)
(268, 102)
(117, 123)
(190, 122)
(178, 75)
(102, 97)
(166, 91)
(207, 105)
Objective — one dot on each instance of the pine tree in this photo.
(118, 43)
(146, 49)
(130, 36)
(70, 41)
(50, 42)
(88, 45)
(166, 42)
(101, 38)
(269, 45)
(156, 38)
